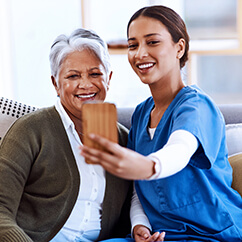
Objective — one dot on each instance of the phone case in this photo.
(100, 119)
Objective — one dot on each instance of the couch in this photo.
(11, 110)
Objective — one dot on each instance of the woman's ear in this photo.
(109, 78)
(54, 82)
(181, 45)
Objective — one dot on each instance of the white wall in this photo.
(6, 64)
(28, 28)
(33, 24)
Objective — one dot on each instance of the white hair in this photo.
(78, 40)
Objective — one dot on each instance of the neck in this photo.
(163, 95)
(76, 120)
(164, 92)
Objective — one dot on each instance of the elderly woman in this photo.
(47, 191)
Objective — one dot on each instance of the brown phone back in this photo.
(100, 119)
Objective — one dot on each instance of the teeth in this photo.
(143, 66)
(86, 96)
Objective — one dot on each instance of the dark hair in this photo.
(173, 22)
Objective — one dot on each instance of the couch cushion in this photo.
(234, 138)
(236, 163)
(9, 111)
(232, 113)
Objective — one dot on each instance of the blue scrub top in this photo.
(197, 202)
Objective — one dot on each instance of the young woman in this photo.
(179, 158)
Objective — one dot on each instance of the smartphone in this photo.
(101, 119)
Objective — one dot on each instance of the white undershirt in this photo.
(172, 158)
(86, 214)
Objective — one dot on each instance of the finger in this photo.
(108, 161)
(144, 232)
(144, 235)
(157, 237)
(162, 236)
(105, 143)
(153, 237)
(139, 239)
(96, 156)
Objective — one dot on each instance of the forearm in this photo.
(10, 231)
(175, 155)
(137, 214)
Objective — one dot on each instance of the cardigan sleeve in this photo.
(15, 164)
(39, 179)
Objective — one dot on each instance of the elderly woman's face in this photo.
(82, 78)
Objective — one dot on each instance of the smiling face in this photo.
(81, 78)
(152, 53)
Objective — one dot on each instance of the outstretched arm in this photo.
(125, 163)
(118, 160)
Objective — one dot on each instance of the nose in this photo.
(84, 82)
(141, 52)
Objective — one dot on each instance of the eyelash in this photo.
(132, 46)
(96, 74)
(79, 76)
(73, 76)
(153, 42)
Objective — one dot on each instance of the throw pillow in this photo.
(9, 111)
(236, 163)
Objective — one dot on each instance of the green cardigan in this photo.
(39, 182)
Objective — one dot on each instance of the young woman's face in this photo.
(82, 78)
(152, 53)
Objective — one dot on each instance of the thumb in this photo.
(144, 232)
(145, 235)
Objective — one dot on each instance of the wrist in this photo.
(150, 169)
(141, 231)
(136, 228)
(156, 167)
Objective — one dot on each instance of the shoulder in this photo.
(40, 120)
(40, 115)
(143, 108)
(196, 95)
(193, 99)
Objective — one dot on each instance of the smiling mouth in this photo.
(86, 96)
(145, 66)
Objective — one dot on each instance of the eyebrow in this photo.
(95, 68)
(73, 70)
(147, 35)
